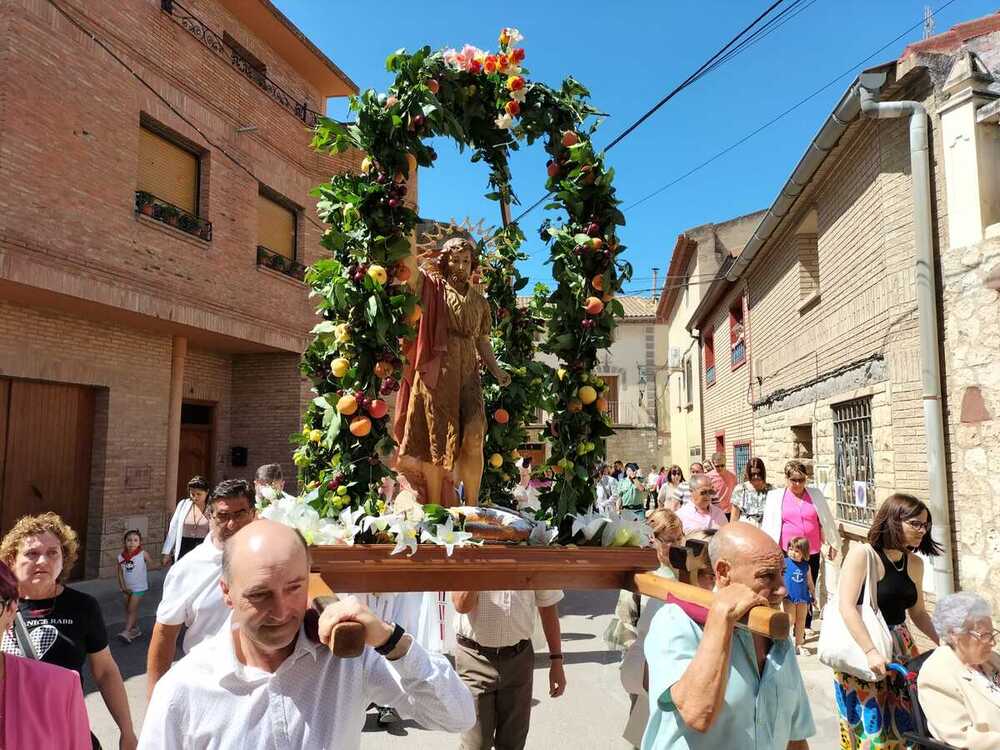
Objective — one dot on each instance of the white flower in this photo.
(627, 530)
(541, 535)
(504, 121)
(341, 531)
(513, 36)
(294, 512)
(267, 493)
(406, 536)
(446, 536)
(381, 523)
(519, 95)
(589, 524)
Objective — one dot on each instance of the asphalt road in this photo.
(590, 716)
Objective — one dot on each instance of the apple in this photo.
(433, 86)
(347, 404)
(377, 274)
(378, 408)
(339, 367)
(552, 168)
(570, 138)
(502, 416)
(596, 242)
(593, 306)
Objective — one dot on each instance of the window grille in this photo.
(852, 441)
(741, 457)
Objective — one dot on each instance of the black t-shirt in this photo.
(64, 630)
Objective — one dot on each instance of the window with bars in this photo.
(737, 337)
(741, 457)
(855, 465)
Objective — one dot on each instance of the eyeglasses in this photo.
(990, 637)
(918, 525)
(676, 473)
(224, 518)
(797, 480)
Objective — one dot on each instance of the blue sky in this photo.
(629, 54)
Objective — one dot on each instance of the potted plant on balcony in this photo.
(170, 215)
(144, 203)
(188, 223)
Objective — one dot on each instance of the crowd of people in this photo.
(255, 651)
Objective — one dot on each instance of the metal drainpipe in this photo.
(930, 369)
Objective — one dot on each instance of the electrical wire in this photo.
(732, 48)
(780, 116)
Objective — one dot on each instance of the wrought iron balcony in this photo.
(149, 205)
(267, 258)
(200, 31)
(739, 354)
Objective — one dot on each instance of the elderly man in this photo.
(724, 482)
(701, 514)
(191, 595)
(263, 682)
(719, 686)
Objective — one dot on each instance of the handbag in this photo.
(837, 647)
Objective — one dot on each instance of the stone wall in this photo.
(636, 444)
(972, 375)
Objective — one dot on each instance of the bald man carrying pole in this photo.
(263, 682)
(719, 685)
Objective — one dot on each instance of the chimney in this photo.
(655, 289)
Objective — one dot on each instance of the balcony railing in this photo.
(197, 28)
(739, 354)
(149, 205)
(276, 262)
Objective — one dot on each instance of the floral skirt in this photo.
(873, 715)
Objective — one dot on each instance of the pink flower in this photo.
(466, 60)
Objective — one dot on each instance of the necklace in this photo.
(901, 565)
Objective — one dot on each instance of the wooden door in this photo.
(195, 456)
(46, 454)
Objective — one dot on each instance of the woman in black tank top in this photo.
(877, 713)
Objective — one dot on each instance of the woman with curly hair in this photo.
(440, 422)
(64, 625)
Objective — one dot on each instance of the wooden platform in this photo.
(492, 567)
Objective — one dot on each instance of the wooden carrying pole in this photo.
(765, 621)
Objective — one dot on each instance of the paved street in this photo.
(592, 711)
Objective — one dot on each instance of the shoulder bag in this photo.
(837, 647)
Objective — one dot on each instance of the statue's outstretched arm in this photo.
(489, 359)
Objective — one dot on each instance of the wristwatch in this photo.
(386, 648)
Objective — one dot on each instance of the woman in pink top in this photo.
(796, 511)
(42, 704)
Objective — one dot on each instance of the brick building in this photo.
(154, 226)
(697, 256)
(810, 338)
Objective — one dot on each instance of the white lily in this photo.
(268, 494)
(541, 535)
(293, 512)
(626, 531)
(445, 535)
(406, 536)
(381, 523)
(588, 523)
(519, 95)
(504, 121)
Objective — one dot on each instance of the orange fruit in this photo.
(598, 283)
(602, 404)
(347, 405)
(502, 416)
(593, 306)
(361, 426)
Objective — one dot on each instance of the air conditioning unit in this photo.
(674, 358)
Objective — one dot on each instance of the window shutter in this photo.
(709, 350)
(168, 171)
(275, 227)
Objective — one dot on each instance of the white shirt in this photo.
(314, 700)
(134, 572)
(504, 618)
(192, 596)
(175, 530)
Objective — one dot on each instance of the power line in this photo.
(788, 111)
(718, 59)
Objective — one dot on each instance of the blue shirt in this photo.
(759, 712)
